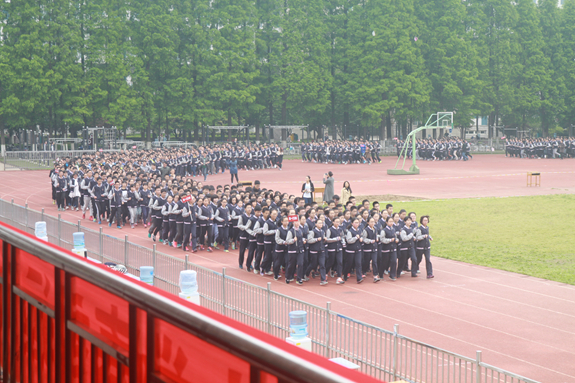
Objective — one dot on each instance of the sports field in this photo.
(482, 214)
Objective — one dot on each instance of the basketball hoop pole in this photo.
(414, 169)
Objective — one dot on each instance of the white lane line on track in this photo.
(512, 287)
(482, 347)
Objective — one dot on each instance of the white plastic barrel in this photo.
(188, 282)
(298, 324)
(40, 229)
(147, 274)
(78, 240)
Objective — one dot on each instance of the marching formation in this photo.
(74, 179)
(274, 233)
(278, 234)
(341, 152)
(446, 149)
(541, 148)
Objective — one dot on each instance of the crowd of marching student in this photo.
(73, 180)
(272, 231)
(341, 152)
(561, 147)
(333, 241)
(429, 149)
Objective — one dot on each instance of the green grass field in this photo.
(12, 164)
(527, 235)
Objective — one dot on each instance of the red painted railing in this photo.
(65, 319)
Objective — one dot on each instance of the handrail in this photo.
(294, 366)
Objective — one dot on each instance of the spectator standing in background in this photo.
(328, 181)
(233, 166)
(307, 189)
(346, 192)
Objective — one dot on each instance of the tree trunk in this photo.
(284, 116)
(388, 122)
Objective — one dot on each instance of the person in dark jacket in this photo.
(295, 240)
(353, 250)
(222, 218)
(233, 166)
(423, 246)
(315, 240)
(407, 236)
(307, 190)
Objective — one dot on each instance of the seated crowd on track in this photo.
(280, 233)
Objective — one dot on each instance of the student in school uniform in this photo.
(98, 193)
(260, 239)
(315, 240)
(412, 255)
(236, 209)
(244, 223)
(179, 237)
(253, 232)
(423, 245)
(354, 240)
(281, 248)
(222, 217)
(269, 233)
(189, 213)
(305, 231)
(144, 202)
(74, 195)
(295, 240)
(159, 200)
(115, 197)
(407, 242)
(166, 209)
(389, 241)
(132, 204)
(379, 225)
(335, 238)
(205, 218)
(369, 244)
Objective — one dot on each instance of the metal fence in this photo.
(386, 355)
(38, 160)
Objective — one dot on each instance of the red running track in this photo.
(522, 324)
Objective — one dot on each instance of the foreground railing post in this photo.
(478, 367)
(394, 360)
(79, 226)
(327, 328)
(269, 308)
(42, 215)
(186, 262)
(101, 246)
(126, 252)
(224, 291)
(60, 230)
(26, 216)
(154, 263)
(12, 212)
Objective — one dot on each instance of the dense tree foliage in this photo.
(363, 67)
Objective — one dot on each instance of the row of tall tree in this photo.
(358, 67)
